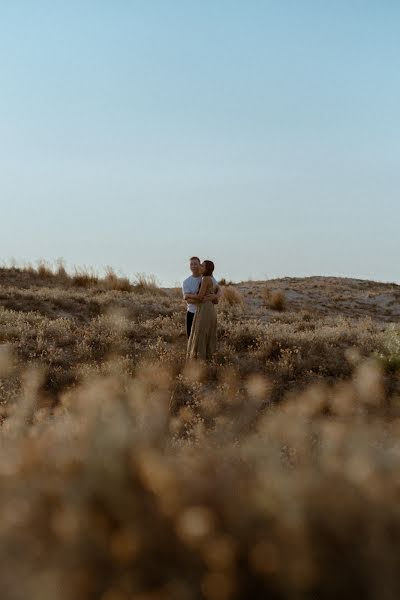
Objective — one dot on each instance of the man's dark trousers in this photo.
(189, 322)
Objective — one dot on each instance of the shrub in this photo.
(44, 270)
(84, 278)
(61, 272)
(147, 283)
(276, 300)
(114, 282)
(231, 297)
(390, 357)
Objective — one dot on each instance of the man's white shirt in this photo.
(191, 286)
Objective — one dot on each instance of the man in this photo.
(191, 286)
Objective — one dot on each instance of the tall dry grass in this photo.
(44, 270)
(84, 277)
(116, 282)
(274, 299)
(147, 284)
(231, 298)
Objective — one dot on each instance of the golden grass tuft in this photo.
(44, 270)
(114, 282)
(275, 300)
(231, 297)
(84, 278)
(61, 272)
(147, 284)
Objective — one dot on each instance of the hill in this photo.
(70, 325)
(355, 298)
(83, 298)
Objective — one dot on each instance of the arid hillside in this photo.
(291, 330)
(84, 296)
(356, 298)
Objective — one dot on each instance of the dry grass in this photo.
(231, 297)
(84, 278)
(44, 270)
(61, 272)
(125, 475)
(147, 284)
(115, 282)
(274, 299)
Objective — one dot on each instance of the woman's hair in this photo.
(209, 268)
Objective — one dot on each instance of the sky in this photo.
(263, 135)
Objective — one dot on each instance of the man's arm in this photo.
(192, 298)
(201, 294)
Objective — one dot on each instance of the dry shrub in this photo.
(84, 278)
(114, 282)
(147, 283)
(231, 297)
(44, 270)
(245, 336)
(27, 267)
(390, 353)
(275, 300)
(61, 271)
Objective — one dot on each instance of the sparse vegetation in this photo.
(125, 474)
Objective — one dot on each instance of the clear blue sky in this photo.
(262, 134)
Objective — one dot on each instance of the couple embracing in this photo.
(201, 293)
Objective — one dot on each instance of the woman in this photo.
(203, 337)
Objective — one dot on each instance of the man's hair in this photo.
(194, 258)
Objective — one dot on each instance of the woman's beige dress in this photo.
(203, 338)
